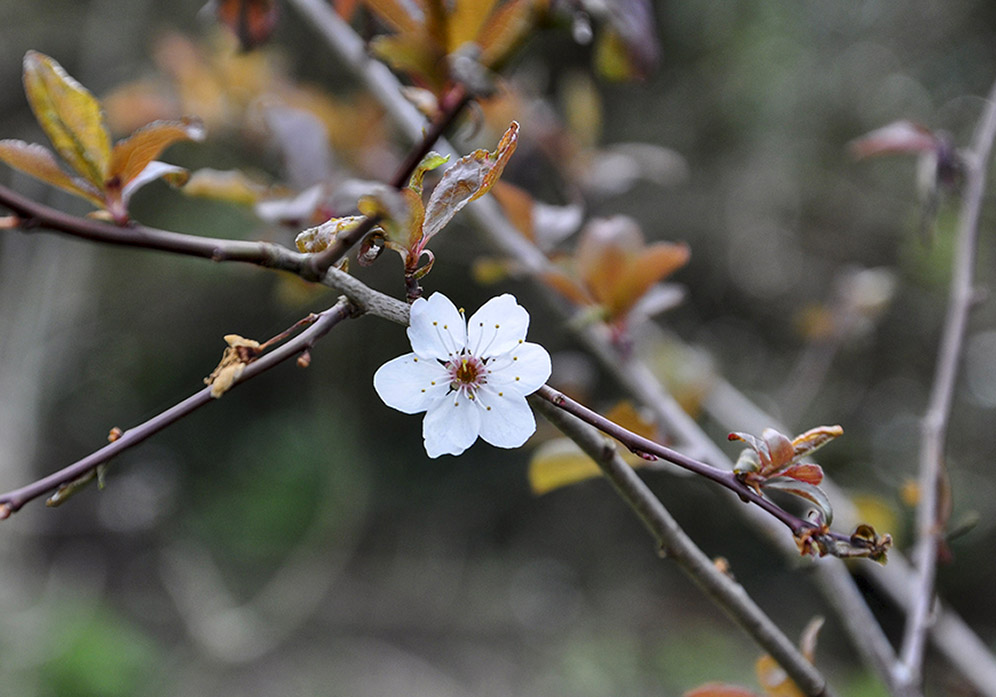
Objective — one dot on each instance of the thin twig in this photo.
(674, 543)
(930, 525)
(724, 477)
(12, 501)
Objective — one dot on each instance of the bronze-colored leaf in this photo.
(70, 116)
(815, 438)
(518, 206)
(38, 161)
(133, 154)
(506, 28)
(656, 262)
(468, 179)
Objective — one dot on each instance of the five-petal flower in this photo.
(471, 378)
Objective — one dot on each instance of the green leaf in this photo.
(469, 179)
(811, 493)
(70, 116)
(38, 161)
(428, 163)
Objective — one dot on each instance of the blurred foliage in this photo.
(457, 580)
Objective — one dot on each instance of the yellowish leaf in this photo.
(38, 161)
(232, 186)
(559, 463)
(518, 206)
(70, 116)
(131, 155)
(465, 21)
(317, 238)
(412, 54)
(774, 679)
(395, 14)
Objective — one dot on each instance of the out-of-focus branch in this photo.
(930, 523)
(674, 543)
(320, 325)
(635, 377)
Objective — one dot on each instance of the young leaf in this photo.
(38, 161)
(132, 155)
(811, 493)
(317, 238)
(815, 438)
(469, 179)
(70, 116)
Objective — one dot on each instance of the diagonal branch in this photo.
(674, 543)
(930, 523)
(320, 325)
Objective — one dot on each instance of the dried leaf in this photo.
(38, 161)
(70, 116)
(239, 353)
(317, 238)
(132, 155)
(468, 179)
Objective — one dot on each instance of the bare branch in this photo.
(930, 525)
(674, 543)
(12, 501)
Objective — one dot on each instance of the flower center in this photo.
(467, 374)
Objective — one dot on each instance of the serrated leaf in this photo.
(70, 116)
(811, 493)
(38, 161)
(469, 179)
(131, 156)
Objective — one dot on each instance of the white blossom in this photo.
(471, 378)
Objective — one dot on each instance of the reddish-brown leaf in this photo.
(253, 21)
(897, 137)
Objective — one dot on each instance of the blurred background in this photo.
(293, 538)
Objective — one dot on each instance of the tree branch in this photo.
(674, 543)
(321, 324)
(930, 523)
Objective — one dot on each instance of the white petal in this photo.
(522, 371)
(451, 425)
(411, 384)
(437, 329)
(509, 422)
(497, 327)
